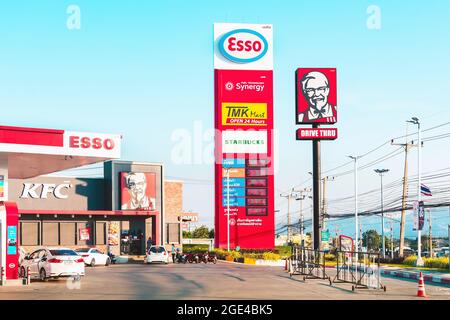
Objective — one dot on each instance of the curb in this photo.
(415, 276)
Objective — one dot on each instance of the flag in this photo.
(425, 190)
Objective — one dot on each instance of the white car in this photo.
(94, 257)
(156, 254)
(53, 263)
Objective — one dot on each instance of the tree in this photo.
(187, 234)
(200, 232)
(371, 240)
(211, 233)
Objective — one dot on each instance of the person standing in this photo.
(149, 243)
(173, 253)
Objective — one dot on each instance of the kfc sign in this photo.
(42, 190)
(316, 96)
(243, 45)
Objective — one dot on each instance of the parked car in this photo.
(442, 252)
(53, 263)
(22, 254)
(156, 254)
(94, 257)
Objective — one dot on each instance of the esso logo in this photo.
(243, 45)
(91, 143)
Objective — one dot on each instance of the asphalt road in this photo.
(201, 282)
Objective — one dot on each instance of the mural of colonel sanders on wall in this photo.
(138, 191)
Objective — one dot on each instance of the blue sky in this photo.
(144, 69)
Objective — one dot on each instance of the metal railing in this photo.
(361, 269)
(307, 262)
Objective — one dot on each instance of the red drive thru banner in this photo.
(244, 178)
(316, 101)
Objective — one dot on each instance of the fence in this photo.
(361, 269)
(308, 263)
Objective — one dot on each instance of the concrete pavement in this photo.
(202, 282)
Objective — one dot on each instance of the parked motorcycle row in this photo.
(195, 258)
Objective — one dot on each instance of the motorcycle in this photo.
(112, 257)
(181, 258)
(207, 257)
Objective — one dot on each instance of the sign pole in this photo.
(316, 192)
(228, 209)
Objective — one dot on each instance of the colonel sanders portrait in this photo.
(136, 185)
(315, 89)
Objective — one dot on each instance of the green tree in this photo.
(200, 232)
(211, 233)
(187, 234)
(371, 240)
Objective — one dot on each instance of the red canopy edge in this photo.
(90, 212)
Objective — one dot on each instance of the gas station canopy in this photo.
(30, 152)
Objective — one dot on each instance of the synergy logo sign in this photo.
(243, 45)
(244, 114)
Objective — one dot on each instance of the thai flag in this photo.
(425, 190)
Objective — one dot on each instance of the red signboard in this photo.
(244, 107)
(316, 133)
(138, 191)
(316, 97)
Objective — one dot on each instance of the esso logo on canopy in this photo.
(90, 142)
(243, 45)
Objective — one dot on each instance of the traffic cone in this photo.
(421, 292)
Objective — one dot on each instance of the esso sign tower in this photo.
(243, 45)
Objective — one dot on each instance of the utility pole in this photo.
(300, 195)
(430, 237)
(324, 201)
(289, 197)
(381, 172)
(407, 145)
(392, 239)
(355, 158)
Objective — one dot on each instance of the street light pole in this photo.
(416, 121)
(380, 172)
(355, 158)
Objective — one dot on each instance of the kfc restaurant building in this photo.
(116, 212)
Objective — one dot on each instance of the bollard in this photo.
(28, 275)
(3, 279)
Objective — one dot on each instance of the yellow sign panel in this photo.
(234, 172)
(244, 114)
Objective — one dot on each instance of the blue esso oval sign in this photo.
(243, 45)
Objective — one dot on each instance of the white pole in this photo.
(382, 219)
(419, 261)
(228, 209)
(356, 206)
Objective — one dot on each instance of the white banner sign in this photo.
(239, 141)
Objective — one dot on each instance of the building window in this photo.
(29, 233)
(173, 233)
(50, 233)
(67, 233)
(100, 233)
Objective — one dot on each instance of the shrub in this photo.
(271, 256)
(220, 253)
(441, 263)
(330, 257)
(195, 248)
(410, 260)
